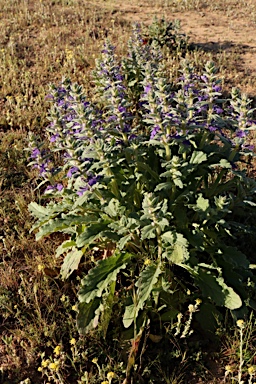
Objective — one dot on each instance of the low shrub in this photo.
(147, 179)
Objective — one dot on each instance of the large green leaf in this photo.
(108, 302)
(91, 233)
(147, 280)
(87, 319)
(198, 157)
(58, 225)
(145, 284)
(130, 314)
(71, 263)
(101, 276)
(178, 252)
(216, 289)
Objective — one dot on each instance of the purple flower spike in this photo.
(147, 89)
(240, 133)
(154, 132)
(54, 138)
(35, 153)
(71, 171)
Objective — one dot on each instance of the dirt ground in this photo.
(230, 30)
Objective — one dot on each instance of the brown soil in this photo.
(232, 31)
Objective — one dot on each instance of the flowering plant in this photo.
(148, 176)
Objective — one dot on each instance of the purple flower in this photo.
(35, 153)
(204, 78)
(154, 132)
(218, 110)
(240, 133)
(216, 88)
(147, 88)
(71, 171)
(91, 180)
(49, 188)
(54, 137)
(42, 168)
(59, 187)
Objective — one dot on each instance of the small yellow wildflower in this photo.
(40, 267)
(40, 369)
(198, 301)
(63, 298)
(147, 262)
(110, 375)
(191, 308)
(57, 350)
(251, 370)
(45, 363)
(229, 369)
(74, 308)
(54, 366)
(95, 360)
(72, 341)
(240, 323)
(105, 382)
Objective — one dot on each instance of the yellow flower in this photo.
(229, 369)
(63, 298)
(251, 370)
(40, 267)
(54, 366)
(198, 301)
(110, 375)
(40, 369)
(95, 360)
(45, 363)
(72, 341)
(105, 382)
(57, 350)
(191, 308)
(147, 262)
(240, 323)
(74, 308)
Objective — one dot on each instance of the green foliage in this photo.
(155, 183)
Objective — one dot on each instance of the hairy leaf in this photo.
(71, 263)
(101, 276)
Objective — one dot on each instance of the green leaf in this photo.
(58, 225)
(101, 276)
(112, 208)
(216, 289)
(130, 315)
(232, 299)
(71, 263)
(148, 232)
(123, 241)
(147, 280)
(87, 319)
(202, 203)
(179, 254)
(108, 302)
(38, 210)
(64, 247)
(91, 233)
(198, 157)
